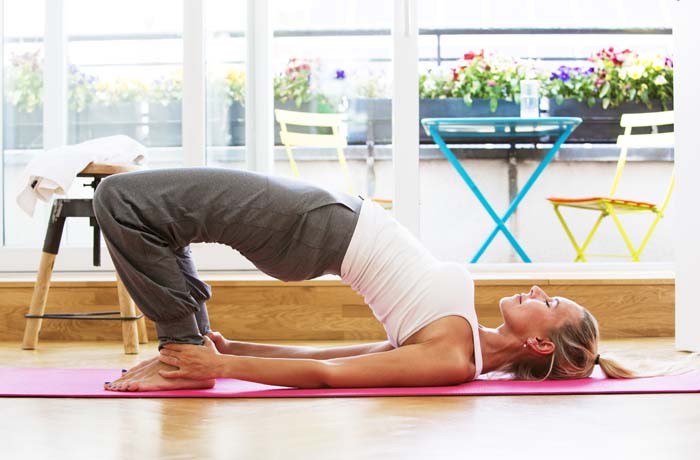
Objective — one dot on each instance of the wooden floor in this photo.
(591, 427)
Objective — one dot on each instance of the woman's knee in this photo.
(107, 196)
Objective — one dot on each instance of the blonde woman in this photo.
(296, 231)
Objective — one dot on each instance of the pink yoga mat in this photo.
(87, 383)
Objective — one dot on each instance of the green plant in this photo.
(624, 76)
(294, 83)
(25, 82)
(165, 90)
(235, 85)
(493, 77)
(572, 83)
(437, 83)
(370, 84)
(82, 89)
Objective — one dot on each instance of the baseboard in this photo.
(327, 309)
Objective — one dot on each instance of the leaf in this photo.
(559, 98)
(606, 102)
(493, 104)
(604, 90)
(468, 100)
(590, 101)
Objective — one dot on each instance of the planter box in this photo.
(106, 120)
(22, 130)
(236, 121)
(369, 120)
(165, 124)
(599, 126)
(455, 107)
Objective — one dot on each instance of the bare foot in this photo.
(147, 378)
(139, 366)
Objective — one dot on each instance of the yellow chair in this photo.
(614, 206)
(334, 137)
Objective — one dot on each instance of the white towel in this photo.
(54, 170)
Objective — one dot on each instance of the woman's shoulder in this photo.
(452, 339)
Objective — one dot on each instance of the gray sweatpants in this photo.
(289, 229)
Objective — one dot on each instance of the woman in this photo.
(296, 231)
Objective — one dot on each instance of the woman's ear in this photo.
(541, 346)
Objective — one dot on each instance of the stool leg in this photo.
(38, 303)
(127, 307)
(143, 333)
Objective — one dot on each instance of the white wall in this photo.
(686, 103)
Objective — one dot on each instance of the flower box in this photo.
(98, 120)
(236, 120)
(455, 107)
(599, 126)
(165, 124)
(23, 130)
(369, 120)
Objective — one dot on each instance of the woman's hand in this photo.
(194, 361)
(220, 342)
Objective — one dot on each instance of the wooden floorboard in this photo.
(588, 427)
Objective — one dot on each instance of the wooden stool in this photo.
(133, 324)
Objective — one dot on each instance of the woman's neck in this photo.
(498, 348)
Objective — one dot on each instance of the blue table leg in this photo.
(526, 188)
(500, 223)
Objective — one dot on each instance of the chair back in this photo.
(652, 139)
(335, 139)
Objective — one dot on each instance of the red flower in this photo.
(471, 55)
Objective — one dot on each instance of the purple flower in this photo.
(562, 73)
(340, 74)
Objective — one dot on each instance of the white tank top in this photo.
(402, 282)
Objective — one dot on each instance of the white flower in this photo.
(660, 80)
(429, 84)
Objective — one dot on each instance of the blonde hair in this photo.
(575, 356)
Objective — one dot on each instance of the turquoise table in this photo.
(510, 131)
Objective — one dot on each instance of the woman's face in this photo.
(534, 313)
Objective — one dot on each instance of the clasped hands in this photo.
(193, 361)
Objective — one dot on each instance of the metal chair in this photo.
(613, 205)
(331, 135)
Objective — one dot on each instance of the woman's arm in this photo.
(425, 364)
(232, 347)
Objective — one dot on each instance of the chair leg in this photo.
(143, 332)
(659, 215)
(38, 302)
(590, 235)
(130, 332)
(580, 250)
(621, 229)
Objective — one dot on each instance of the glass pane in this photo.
(124, 76)
(453, 69)
(225, 55)
(334, 57)
(125, 73)
(22, 114)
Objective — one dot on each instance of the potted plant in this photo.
(23, 111)
(110, 107)
(613, 84)
(369, 109)
(234, 90)
(297, 88)
(165, 111)
(482, 85)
